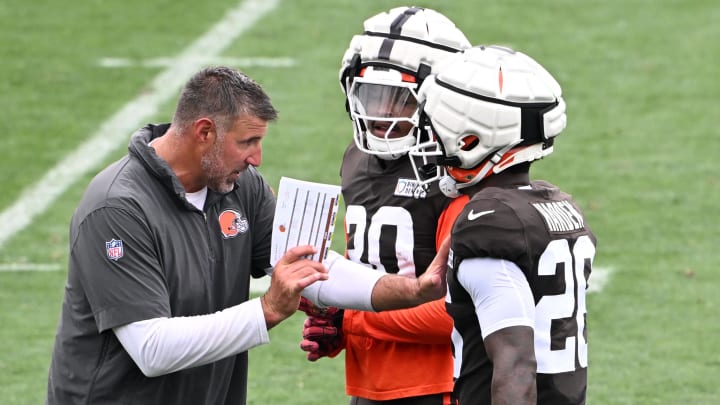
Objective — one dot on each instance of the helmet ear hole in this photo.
(423, 124)
(351, 70)
(469, 142)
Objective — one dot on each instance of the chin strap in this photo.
(500, 161)
(451, 187)
(448, 186)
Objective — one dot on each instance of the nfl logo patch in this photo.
(114, 249)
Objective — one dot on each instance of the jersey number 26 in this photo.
(553, 354)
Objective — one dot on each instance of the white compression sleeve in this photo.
(349, 285)
(500, 292)
(165, 345)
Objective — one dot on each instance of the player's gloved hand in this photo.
(322, 330)
(311, 309)
(323, 337)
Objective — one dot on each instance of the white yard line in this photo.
(599, 278)
(220, 60)
(257, 285)
(30, 267)
(112, 133)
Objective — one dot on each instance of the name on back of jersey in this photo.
(411, 188)
(560, 216)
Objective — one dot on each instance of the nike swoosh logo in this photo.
(475, 215)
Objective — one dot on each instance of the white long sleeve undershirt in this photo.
(164, 345)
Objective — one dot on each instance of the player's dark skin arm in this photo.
(513, 355)
(398, 292)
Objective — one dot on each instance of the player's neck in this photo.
(514, 176)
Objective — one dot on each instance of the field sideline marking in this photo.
(35, 199)
(257, 285)
(599, 277)
(225, 61)
(8, 267)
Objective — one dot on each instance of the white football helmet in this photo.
(488, 109)
(382, 70)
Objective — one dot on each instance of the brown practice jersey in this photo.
(390, 220)
(391, 225)
(542, 231)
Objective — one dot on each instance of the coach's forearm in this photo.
(164, 345)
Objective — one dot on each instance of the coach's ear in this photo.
(204, 131)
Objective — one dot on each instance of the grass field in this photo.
(641, 82)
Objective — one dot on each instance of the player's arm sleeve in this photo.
(349, 285)
(500, 292)
(160, 346)
(428, 323)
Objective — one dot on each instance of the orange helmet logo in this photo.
(232, 223)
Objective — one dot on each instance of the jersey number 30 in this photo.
(389, 236)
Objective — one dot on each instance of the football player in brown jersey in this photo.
(392, 221)
(521, 250)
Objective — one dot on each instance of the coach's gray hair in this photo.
(223, 94)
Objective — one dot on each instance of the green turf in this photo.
(640, 78)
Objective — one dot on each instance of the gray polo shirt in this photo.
(140, 250)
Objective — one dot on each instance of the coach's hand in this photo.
(292, 273)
